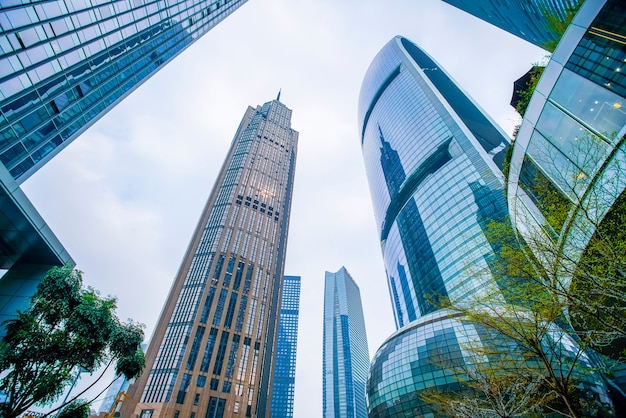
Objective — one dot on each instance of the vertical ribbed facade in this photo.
(65, 63)
(526, 19)
(345, 353)
(286, 348)
(213, 349)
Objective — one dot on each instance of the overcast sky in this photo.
(125, 197)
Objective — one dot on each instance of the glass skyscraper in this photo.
(433, 160)
(285, 365)
(526, 19)
(570, 147)
(213, 350)
(345, 353)
(65, 63)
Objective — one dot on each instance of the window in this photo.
(226, 387)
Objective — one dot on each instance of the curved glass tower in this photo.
(432, 159)
(433, 162)
(570, 152)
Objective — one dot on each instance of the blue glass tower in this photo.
(433, 160)
(65, 63)
(526, 19)
(439, 144)
(285, 364)
(345, 354)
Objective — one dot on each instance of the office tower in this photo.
(213, 349)
(345, 353)
(285, 366)
(120, 384)
(28, 249)
(570, 147)
(526, 19)
(65, 63)
(432, 159)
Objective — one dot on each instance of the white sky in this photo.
(125, 197)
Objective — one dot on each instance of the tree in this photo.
(525, 363)
(581, 247)
(529, 359)
(497, 380)
(76, 409)
(66, 326)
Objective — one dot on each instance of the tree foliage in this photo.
(527, 92)
(66, 326)
(530, 361)
(558, 25)
(76, 409)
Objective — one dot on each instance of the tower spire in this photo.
(278, 97)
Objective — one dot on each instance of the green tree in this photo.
(582, 244)
(530, 360)
(527, 92)
(76, 409)
(66, 326)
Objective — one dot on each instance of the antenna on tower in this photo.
(278, 97)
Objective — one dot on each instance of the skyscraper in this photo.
(433, 159)
(433, 168)
(213, 349)
(531, 20)
(285, 365)
(345, 353)
(570, 152)
(65, 63)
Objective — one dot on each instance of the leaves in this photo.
(66, 326)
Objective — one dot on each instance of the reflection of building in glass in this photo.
(433, 161)
(114, 392)
(66, 63)
(345, 353)
(569, 153)
(212, 352)
(285, 365)
(432, 158)
(527, 19)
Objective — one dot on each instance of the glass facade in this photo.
(220, 320)
(65, 63)
(285, 366)
(425, 355)
(527, 19)
(433, 161)
(345, 353)
(572, 140)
